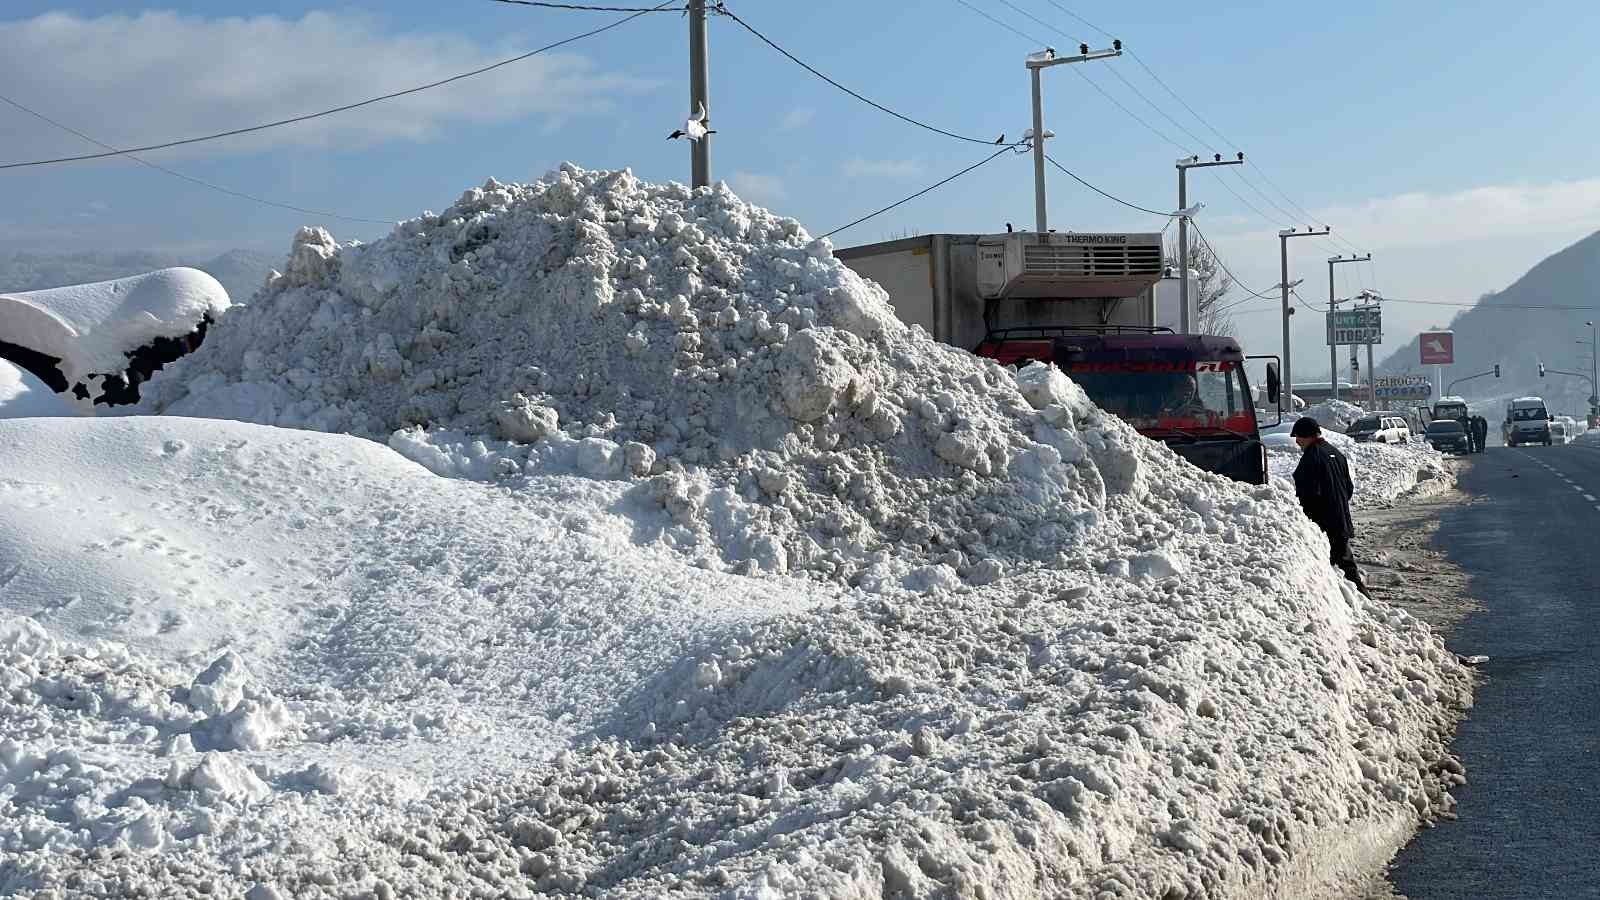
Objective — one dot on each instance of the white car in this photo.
(1379, 430)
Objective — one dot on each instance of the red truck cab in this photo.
(1188, 391)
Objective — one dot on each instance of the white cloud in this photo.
(144, 78)
(1420, 219)
(799, 117)
(884, 168)
(758, 188)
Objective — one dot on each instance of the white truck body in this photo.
(960, 286)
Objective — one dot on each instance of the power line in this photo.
(1021, 34)
(872, 103)
(1308, 217)
(930, 188)
(583, 8)
(1492, 306)
(1108, 196)
(337, 109)
(189, 178)
(1216, 256)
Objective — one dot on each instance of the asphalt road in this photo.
(1529, 816)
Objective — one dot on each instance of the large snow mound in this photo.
(244, 661)
(22, 394)
(91, 327)
(711, 355)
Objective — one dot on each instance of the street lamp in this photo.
(1283, 257)
(1333, 307)
(1035, 62)
(1184, 165)
(1594, 364)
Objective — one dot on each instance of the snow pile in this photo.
(1382, 473)
(706, 353)
(91, 328)
(1335, 415)
(1034, 654)
(298, 665)
(23, 394)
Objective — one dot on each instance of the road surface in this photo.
(1529, 821)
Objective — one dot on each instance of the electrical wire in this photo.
(1307, 216)
(929, 189)
(1549, 307)
(722, 10)
(337, 109)
(1021, 34)
(1109, 196)
(191, 179)
(1224, 266)
(583, 8)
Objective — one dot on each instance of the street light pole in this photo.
(1333, 307)
(1283, 256)
(1036, 62)
(1594, 365)
(1184, 165)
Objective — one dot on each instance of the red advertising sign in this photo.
(1438, 348)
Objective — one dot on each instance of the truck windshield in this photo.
(1529, 414)
(1183, 395)
(1452, 411)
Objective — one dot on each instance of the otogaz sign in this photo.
(1438, 348)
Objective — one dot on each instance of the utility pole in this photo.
(1594, 365)
(1184, 165)
(1333, 307)
(1376, 299)
(1283, 256)
(699, 92)
(1035, 62)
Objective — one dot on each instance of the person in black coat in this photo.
(1322, 482)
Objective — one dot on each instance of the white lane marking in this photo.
(1589, 497)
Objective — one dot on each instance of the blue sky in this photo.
(1455, 140)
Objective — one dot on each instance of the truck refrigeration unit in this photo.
(1104, 309)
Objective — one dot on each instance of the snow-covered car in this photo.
(1379, 430)
(1447, 436)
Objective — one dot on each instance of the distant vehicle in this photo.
(1447, 436)
(1560, 432)
(1379, 429)
(1527, 422)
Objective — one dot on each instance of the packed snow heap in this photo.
(749, 590)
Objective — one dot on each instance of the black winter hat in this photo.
(1305, 426)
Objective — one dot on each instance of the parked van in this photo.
(1527, 422)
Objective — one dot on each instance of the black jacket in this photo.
(1322, 482)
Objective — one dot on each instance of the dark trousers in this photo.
(1345, 561)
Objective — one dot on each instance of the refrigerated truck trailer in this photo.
(961, 287)
(1104, 309)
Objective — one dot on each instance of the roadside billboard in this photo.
(1438, 348)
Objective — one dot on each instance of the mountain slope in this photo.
(1498, 330)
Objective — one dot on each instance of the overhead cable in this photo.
(191, 179)
(337, 109)
(585, 8)
(722, 10)
(1074, 176)
(929, 189)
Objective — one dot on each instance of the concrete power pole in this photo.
(1288, 353)
(699, 92)
(1333, 307)
(1035, 62)
(1184, 165)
